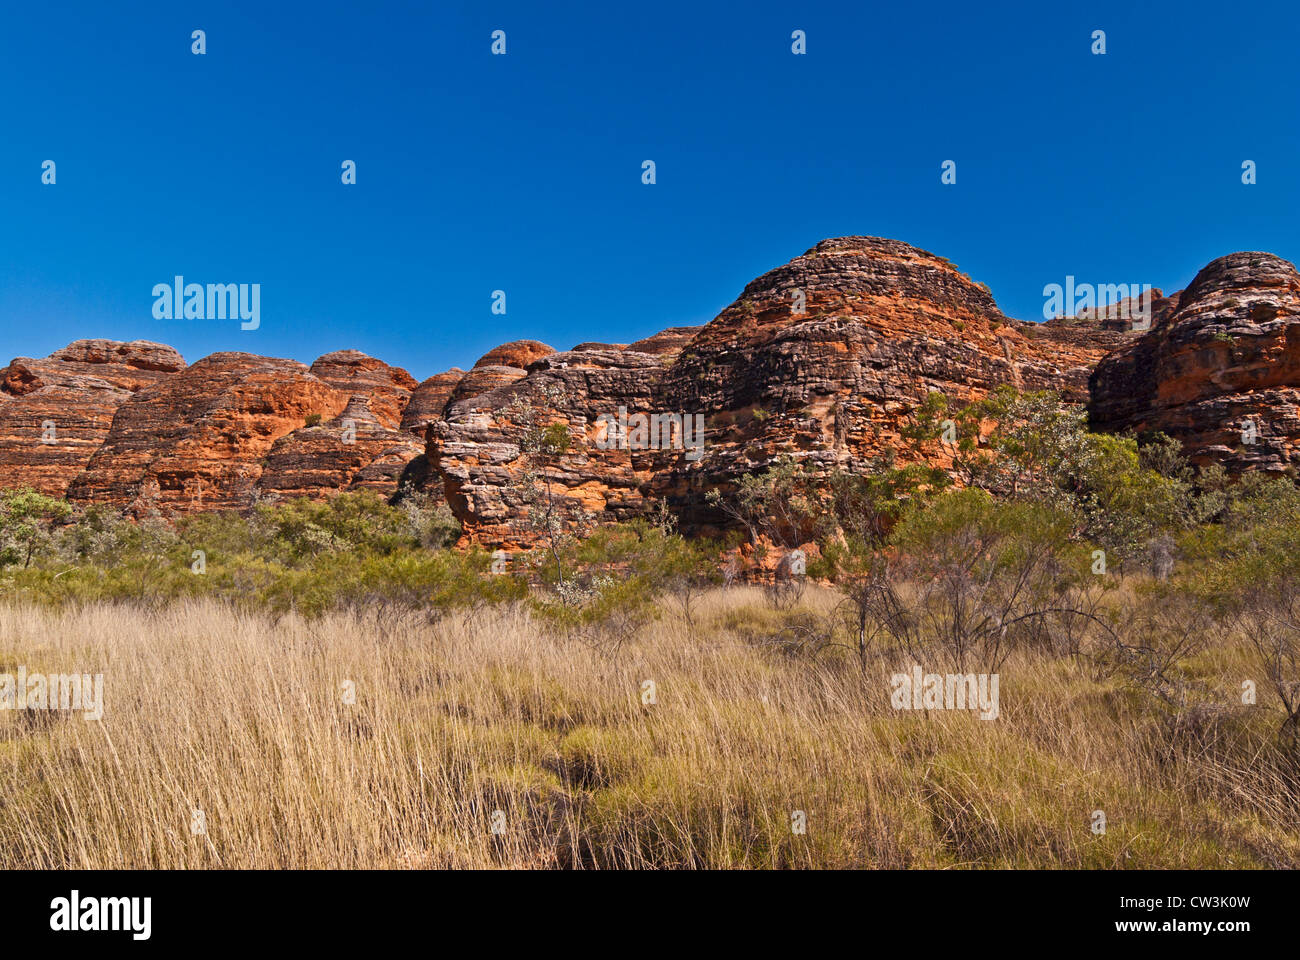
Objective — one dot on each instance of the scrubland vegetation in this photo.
(334, 685)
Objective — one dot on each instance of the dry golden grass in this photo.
(242, 717)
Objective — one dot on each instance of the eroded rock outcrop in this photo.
(476, 450)
(1132, 314)
(388, 388)
(517, 353)
(1221, 373)
(351, 451)
(823, 358)
(670, 341)
(498, 367)
(196, 440)
(56, 412)
(428, 401)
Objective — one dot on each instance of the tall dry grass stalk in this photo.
(242, 717)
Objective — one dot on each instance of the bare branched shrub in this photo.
(778, 509)
(1270, 620)
(982, 578)
(788, 583)
(1149, 648)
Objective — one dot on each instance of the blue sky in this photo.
(523, 172)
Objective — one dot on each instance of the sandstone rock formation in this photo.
(823, 358)
(388, 388)
(1221, 373)
(480, 380)
(1130, 314)
(352, 451)
(1110, 327)
(196, 440)
(667, 341)
(55, 412)
(517, 353)
(428, 400)
(498, 367)
(672, 340)
(476, 449)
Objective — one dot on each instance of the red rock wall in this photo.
(824, 358)
(55, 413)
(1227, 359)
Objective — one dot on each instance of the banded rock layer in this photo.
(1221, 373)
(352, 451)
(55, 413)
(196, 440)
(824, 358)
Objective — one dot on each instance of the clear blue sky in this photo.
(523, 172)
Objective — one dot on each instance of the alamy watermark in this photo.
(75, 913)
(1120, 301)
(656, 431)
(919, 690)
(53, 691)
(179, 300)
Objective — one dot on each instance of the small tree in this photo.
(1033, 447)
(26, 521)
(1271, 622)
(981, 577)
(783, 507)
(865, 508)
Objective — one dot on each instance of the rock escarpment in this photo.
(196, 440)
(388, 389)
(825, 358)
(1221, 373)
(428, 400)
(352, 451)
(476, 450)
(56, 412)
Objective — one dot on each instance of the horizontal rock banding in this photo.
(55, 413)
(196, 440)
(351, 451)
(1221, 373)
(824, 358)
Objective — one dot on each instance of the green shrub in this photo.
(612, 580)
(351, 550)
(27, 520)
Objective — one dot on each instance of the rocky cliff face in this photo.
(517, 353)
(55, 413)
(477, 449)
(428, 401)
(387, 389)
(196, 441)
(1221, 373)
(824, 358)
(354, 450)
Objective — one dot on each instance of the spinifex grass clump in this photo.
(234, 739)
